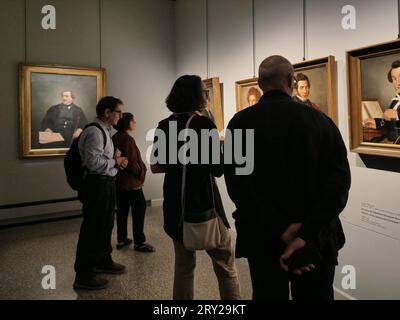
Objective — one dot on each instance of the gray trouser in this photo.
(223, 260)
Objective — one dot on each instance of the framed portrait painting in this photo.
(247, 93)
(214, 109)
(315, 85)
(374, 99)
(56, 102)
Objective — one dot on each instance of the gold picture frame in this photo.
(321, 72)
(44, 94)
(214, 90)
(247, 93)
(368, 71)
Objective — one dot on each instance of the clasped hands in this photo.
(121, 162)
(294, 243)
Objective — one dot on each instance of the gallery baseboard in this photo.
(21, 219)
(37, 219)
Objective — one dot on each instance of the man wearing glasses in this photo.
(98, 195)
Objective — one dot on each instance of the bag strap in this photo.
(95, 124)
(184, 170)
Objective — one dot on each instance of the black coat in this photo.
(64, 120)
(198, 184)
(301, 174)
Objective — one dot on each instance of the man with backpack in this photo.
(97, 193)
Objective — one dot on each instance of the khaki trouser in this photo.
(223, 260)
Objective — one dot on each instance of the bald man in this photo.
(287, 209)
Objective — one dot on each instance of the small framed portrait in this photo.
(214, 108)
(315, 85)
(374, 99)
(56, 103)
(247, 93)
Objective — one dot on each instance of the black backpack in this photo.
(73, 162)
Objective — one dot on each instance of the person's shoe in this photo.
(122, 244)
(144, 247)
(114, 268)
(92, 283)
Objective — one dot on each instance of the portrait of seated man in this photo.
(302, 91)
(65, 119)
(253, 95)
(389, 124)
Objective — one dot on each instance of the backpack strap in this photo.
(95, 124)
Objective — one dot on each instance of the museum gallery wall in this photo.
(50, 131)
(91, 47)
(278, 29)
(358, 92)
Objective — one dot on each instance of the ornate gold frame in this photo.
(214, 85)
(329, 63)
(238, 86)
(353, 59)
(26, 71)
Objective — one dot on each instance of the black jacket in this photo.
(198, 184)
(64, 120)
(301, 174)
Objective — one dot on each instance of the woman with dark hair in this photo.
(186, 100)
(129, 187)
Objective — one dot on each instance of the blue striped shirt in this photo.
(95, 158)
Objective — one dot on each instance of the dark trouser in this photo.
(271, 282)
(94, 244)
(135, 200)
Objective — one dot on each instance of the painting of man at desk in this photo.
(380, 92)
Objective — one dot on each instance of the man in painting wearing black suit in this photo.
(393, 112)
(389, 124)
(65, 118)
(287, 209)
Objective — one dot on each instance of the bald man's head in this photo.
(276, 73)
